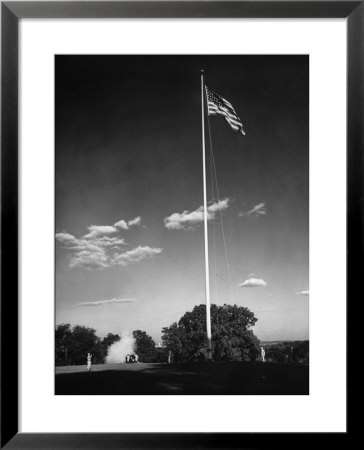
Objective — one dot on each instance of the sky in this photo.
(129, 191)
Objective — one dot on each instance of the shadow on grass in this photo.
(220, 378)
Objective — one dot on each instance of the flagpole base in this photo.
(209, 354)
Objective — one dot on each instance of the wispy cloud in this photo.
(253, 282)
(107, 230)
(96, 231)
(256, 211)
(102, 247)
(104, 302)
(135, 255)
(190, 220)
(303, 293)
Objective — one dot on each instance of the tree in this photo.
(252, 346)
(300, 352)
(161, 355)
(144, 346)
(174, 340)
(83, 340)
(108, 340)
(276, 353)
(231, 335)
(62, 343)
(73, 344)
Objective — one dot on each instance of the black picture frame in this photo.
(11, 12)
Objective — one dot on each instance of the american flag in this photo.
(219, 105)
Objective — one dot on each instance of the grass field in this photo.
(221, 378)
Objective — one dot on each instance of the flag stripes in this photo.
(219, 105)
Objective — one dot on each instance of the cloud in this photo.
(135, 255)
(66, 239)
(104, 302)
(303, 293)
(126, 225)
(108, 230)
(102, 247)
(89, 259)
(189, 220)
(253, 282)
(218, 206)
(121, 224)
(89, 252)
(134, 222)
(256, 211)
(99, 231)
(105, 241)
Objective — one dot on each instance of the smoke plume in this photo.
(117, 351)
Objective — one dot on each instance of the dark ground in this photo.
(226, 378)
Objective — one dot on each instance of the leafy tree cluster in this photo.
(288, 352)
(73, 343)
(232, 338)
(145, 346)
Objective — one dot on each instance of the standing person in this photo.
(127, 358)
(89, 356)
(136, 357)
(263, 354)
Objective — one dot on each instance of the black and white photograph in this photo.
(181, 224)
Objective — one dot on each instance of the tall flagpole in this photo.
(207, 270)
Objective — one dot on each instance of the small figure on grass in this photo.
(263, 354)
(89, 356)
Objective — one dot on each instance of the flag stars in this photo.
(219, 105)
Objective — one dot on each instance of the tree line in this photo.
(288, 352)
(73, 343)
(185, 340)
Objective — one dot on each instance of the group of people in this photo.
(131, 358)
